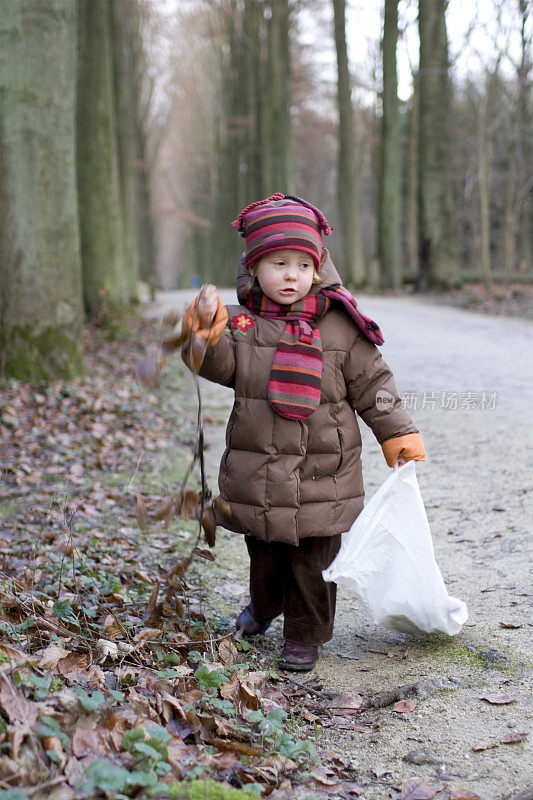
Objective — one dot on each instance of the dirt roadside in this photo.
(462, 377)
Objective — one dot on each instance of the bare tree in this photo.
(41, 312)
(346, 175)
(105, 272)
(438, 263)
(389, 197)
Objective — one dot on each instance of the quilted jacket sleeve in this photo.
(218, 363)
(372, 392)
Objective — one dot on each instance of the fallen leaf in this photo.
(248, 695)
(113, 627)
(478, 748)
(347, 701)
(147, 635)
(463, 794)
(350, 787)
(15, 705)
(513, 738)
(379, 772)
(320, 777)
(349, 656)
(227, 652)
(73, 663)
(51, 655)
(499, 699)
(510, 625)
(416, 789)
(106, 649)
(236, 747)
(12, 653)
(405, 706)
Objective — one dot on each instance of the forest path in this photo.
(465, 379)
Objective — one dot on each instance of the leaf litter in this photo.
(113, 677)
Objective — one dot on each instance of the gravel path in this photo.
(464, 378)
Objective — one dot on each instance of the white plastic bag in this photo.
(387, 559)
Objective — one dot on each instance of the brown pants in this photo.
(288, 580)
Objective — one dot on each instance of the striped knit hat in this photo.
(282, 222)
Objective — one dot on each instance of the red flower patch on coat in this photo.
(241, 323)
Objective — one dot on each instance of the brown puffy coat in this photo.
(287, 479)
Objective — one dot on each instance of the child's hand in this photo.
(207, 305)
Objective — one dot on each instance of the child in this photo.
(301, 358)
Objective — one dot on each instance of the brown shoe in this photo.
(298, 657)
(248, 626)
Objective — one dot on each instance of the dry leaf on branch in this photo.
(172, 317)
(209, 525)
(189, 504)
(196, 354)
(165, 511)
(207, 554)
(222, 507)
(142, 513)
(148, 371)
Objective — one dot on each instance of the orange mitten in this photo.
(212, 334)
(409, 447)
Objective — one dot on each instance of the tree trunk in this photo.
(126, 106)
(525, 147)
(389, 199)
(279, 99)
(230, 197)
(254, 95)
(484, 151)
(438, 264)
(102, 238)
(41, 310)
(145, 221)
(509, 235)
(346, 179)
(412, 183)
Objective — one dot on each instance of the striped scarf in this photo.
(296, 375)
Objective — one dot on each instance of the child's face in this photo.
(285, 276)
